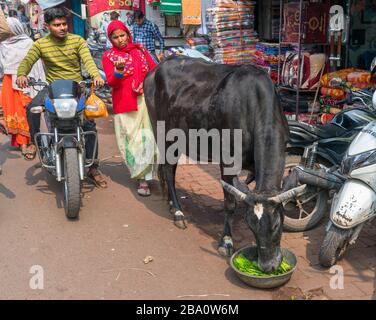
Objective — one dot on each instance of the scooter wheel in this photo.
(334, 245)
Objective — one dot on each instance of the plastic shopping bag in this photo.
(95, 107)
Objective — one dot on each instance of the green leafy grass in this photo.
(243, 264)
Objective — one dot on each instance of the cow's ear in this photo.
(240, 185)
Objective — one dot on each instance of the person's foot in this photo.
(96, 177)
(143, 188)
(30, 152)
(23, 148)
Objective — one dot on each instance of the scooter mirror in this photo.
(373, 66)
(37, 109)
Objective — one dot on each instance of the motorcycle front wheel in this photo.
(334, 245)
(72, 184)
(306, 211)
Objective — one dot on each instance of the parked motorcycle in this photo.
(317, 147)
(355, 202)
(97, 48)
(62, 150)
(96, 44)
(104, 92)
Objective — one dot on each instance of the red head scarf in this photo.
(117, 24)
(138, 62)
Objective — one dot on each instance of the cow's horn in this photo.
(235, 192)
(287, 195)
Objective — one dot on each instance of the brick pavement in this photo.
(202, 202)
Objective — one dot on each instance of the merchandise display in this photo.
(231, 28)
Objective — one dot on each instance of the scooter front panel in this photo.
(353, 204)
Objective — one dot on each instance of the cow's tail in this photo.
(162, 180)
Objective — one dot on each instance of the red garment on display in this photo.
(138, 63)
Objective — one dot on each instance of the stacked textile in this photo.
(335, 86)
(231, 28)
(266, 55)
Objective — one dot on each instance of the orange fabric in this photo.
(342, 74)
(335, 93)
(191, 12)
(14, 104)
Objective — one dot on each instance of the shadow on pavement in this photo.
(7, 192)
(6, 151)
(47, 184)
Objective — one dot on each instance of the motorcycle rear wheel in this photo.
(334, 245)
(313, 211)
(72, 184)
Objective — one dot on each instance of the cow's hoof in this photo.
(179, 220)
(226, 248)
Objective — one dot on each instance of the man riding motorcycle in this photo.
(61, 53)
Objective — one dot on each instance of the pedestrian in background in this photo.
(23, 18)
(113, 16)
(146, 33)
(14, 99)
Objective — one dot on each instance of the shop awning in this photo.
(45, 4)
(171, 6)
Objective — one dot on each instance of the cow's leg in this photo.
(175, 208)
(226, 246)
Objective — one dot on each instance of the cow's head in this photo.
(264, 217)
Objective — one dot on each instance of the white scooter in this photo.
(355, 203)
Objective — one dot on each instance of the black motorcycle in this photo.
(62, 150)
(311, 149)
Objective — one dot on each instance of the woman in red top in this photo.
(126, 65)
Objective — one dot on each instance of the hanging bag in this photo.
(93, 100)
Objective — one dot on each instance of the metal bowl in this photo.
(264, 282)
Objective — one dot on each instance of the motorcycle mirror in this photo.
(92, 108)
(37, 109)
(373, 66)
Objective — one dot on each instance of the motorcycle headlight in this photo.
(65, 108)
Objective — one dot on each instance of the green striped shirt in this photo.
(62, 59)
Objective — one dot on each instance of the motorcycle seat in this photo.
(317, 132)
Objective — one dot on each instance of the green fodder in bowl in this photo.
(243, 264)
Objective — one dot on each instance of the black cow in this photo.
(190, 93)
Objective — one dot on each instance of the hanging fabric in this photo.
(171, 6)
(205, 4)
(191, 12)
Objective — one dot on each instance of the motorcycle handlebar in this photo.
(34, 83)
(87, 82)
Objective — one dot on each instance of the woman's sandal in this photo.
(143, 189)
(96, 177)
(30, 152)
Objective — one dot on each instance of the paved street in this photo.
(101, 255)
